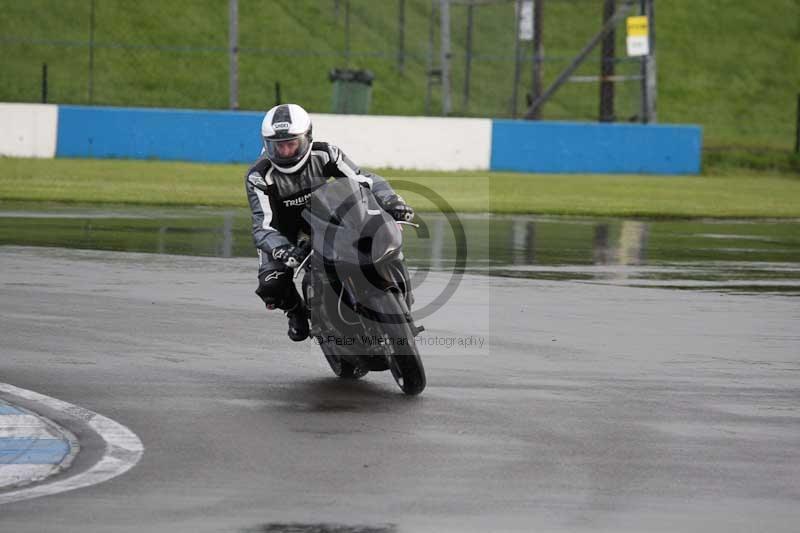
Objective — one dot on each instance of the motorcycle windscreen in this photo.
(348, 224)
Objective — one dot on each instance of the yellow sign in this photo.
(638, 41)
(637, 27)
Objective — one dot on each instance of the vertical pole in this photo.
(233, 23)
(514, 94)
(538, 55)
(347, 32)
(91, 53)
(445, 50)
(431, 30)
(44, 83)
(797, 136)
(652, 88)
(652, 71)
(278, 100)
(468, 56)
(643, 64)
(607, 66)
(401, 35)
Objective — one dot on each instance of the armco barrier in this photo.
(595, 148)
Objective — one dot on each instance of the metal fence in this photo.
(178, 54)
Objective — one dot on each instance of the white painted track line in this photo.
(123, 449)
(24, 474)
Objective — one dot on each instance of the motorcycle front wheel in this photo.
(394, 319)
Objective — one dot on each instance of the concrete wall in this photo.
(409, 142)
(372, 141)
(28, 130)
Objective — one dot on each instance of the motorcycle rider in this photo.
(279, 183)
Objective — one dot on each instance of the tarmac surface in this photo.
(551, 405)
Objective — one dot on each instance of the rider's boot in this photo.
(298, 322)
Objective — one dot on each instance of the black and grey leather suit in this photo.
(277, 201)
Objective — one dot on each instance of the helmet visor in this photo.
(287, 151)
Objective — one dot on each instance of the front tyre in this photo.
(393, 320)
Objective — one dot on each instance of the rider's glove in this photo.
(399, 209)
(290, 255)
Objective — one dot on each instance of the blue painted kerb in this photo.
(32, 451)
(169, 134)
(595, 148)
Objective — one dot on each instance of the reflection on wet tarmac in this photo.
(319, 528)
(720, 255)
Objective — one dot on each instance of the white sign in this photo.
(526, 21)
(638, 46)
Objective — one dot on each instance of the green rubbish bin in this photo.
(352, 91)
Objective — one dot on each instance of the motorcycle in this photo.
(357, 288)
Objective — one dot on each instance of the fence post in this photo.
(233, 23)
(517, 65)
(91, 53)
(347, 33)
(650, 78)
(431, 31)
(797, 136)
(538, 55)
(468, 56)
(607, 65)
(44, 83)
(401, 35)
(445, 45)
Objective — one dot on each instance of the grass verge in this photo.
(734, 194)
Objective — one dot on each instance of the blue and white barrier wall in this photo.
(425, 143)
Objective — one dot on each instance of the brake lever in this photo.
(301, 265)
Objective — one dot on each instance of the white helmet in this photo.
(287, 137)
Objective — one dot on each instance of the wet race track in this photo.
(608, 376)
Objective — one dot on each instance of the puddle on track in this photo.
(719, 255)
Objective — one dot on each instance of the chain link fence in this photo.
(177, 54)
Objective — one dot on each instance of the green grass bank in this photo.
(732, 66)
(719, 194)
